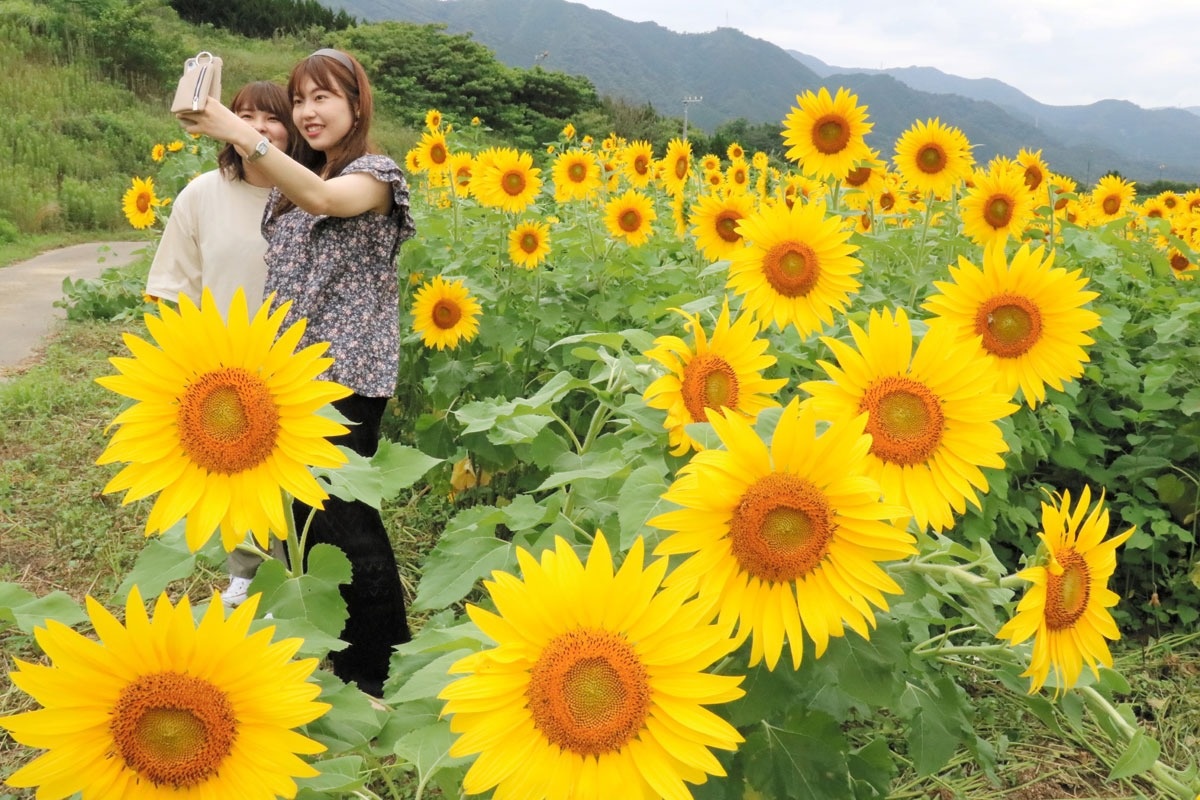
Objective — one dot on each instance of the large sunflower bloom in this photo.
(225, 418)
(1034, 171)
(139, 203)
(628, 217)
(797, 267)
(576, 175)
(1026, 316)
(445, 313)
(715, 218)
(931, 414)
(165, 708)
(933, 157)
(676, 166)
(529, 244)
(637, 163)
(998, 206)
(722, 372)
(460, 167)
(433, 154)
(1066, 608)
(825, 135)
(595, 688)
(1113, 197)
(785, 537)
(505, 178)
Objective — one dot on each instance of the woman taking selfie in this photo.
(333, 226)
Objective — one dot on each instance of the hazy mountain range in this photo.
(742, 77)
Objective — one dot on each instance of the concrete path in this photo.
(28, 290)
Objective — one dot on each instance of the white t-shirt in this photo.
(213, 239)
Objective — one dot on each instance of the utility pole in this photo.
(687, 101)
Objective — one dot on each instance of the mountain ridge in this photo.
(742, 77)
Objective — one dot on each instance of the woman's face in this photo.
(323, 116)
(269, 125)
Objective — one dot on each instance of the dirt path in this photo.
(28, 290)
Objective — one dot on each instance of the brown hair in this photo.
(329, 72)
(265, 96)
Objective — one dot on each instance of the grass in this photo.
(59, 532)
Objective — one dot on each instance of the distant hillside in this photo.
(742, 77)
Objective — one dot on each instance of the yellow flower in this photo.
(506, 179)
(139, 203)
(595, 688)
(998, 206)
(433, 119)
(676, 166)
(628, 217)
(161, 707)
(460, 169)
(735, 151)
(716, 219)
(476, 122)
(931, 414)
(1066, 608)
(158, 152)
(175, 146)
(1113, 197)
(785, 536)
(1034, 171)
(1025, 318)
(797, 267)
(529, 244)
(933, 157)
(722, 372)
(432, 153)
(225, 421)
(826, 135)
(445, 313)
(576, 175)
(637, 161)
(568, 131)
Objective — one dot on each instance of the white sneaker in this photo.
(235, 594)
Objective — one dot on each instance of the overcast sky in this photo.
(1059, 52)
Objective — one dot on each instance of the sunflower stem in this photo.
(1163, 773)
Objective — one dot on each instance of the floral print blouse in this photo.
(340, 274)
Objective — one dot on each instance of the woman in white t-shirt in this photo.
(213, 239)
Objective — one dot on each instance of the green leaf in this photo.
(805, 756)
(571, 468)
(164, 559)
(639, 499)
(339, 776)
(400, 466)
(428, 749)
(467, 551)
(429, 680)
(28, 611)
(1139, 756)
(932, 731)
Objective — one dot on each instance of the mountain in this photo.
(738, 76)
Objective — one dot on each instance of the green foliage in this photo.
(263, 18)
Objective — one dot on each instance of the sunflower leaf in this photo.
(27, 611)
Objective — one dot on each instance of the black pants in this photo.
(374, 597)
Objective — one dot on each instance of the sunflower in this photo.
(460, 168)
(722, 372)
(715, 220)
(505, 178)
(529, 244)
(432, 152)
(628, 217)
(412, 161)
(710, 163)
(867, 175)
(175, 146)
(737, 175)
(158, 152)
(139, 203)
(1034, 170)
(164, 708)
(676, 166)
(933, 157)
(445, 313)
(1113, 197)
(1182, 266)
(1066, 608)
(576, 175)
(595, 688)
(735, 152)
(1025, 315)
(225, 418)
(784, 537)
(931, 414)
(433, 119)
(797, 268)
(825, 135)
(637, 163)
(998, 206)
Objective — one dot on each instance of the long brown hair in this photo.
(331, 73)
(265, 96)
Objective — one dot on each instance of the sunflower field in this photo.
(765, 475)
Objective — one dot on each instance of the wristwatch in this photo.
(259, 150)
